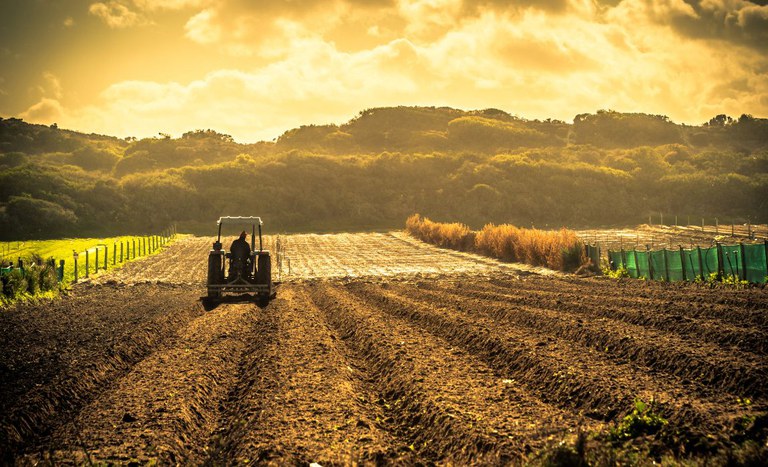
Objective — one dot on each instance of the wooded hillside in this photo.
(606, 168)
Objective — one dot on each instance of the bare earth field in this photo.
(377, 349)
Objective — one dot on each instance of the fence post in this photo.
(86, 264)
(106, 255)
(701, 264)
(133, 241)
(60, 272)
(114, 254)
(666, 265)
(650, 263)
(121, 251)
(765, 251)
(743, 261)
(682, 262)
(74, 255)
(720, 264)
(637, 265)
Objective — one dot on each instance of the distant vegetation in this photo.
(556, 249)
(606, 168)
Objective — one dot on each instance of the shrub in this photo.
(14, 284)
(619, 273)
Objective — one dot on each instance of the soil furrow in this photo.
(736, 307)
(437, 425)
(430, 375)
(741, 373)
(59, 359)
(666, 316)
(311, 408)
(573, 378)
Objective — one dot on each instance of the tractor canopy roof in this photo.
(230, 220)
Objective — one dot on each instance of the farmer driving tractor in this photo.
(240, 263)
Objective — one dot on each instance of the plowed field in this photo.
(379, 349)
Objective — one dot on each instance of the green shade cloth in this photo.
(657, 265)
(642, 264)
(675, 265)
(740, 261)
(755, 259)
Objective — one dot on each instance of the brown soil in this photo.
(377, 349)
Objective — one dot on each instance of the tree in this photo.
(29, 217)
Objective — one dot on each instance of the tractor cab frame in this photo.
(229, 273)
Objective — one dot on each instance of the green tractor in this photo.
(245, 270)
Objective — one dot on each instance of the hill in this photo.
(606, 168)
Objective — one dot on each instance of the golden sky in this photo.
(253, 69)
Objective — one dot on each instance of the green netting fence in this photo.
(743, 261)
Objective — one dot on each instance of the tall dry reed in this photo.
(560, 249)
(454, 235)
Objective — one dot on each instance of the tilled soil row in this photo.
(738, 307)
(59, 357)
(569, 376)
(679, 320)
(446, 403)
(167, 407)
(300, 399)
(684, 356)
(436, 429)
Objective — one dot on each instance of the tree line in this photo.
(606, 168)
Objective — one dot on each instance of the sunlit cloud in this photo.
(202, 29)
(285, 64)
(116, 14)
(46, 111)
(155, 5)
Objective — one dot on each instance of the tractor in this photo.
(235, 272)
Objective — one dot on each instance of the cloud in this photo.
(202, 28)
(156, 5)
(475, 6)
(117, 15)
(737, 21)
(45, 112)
(535, 62)
(51, 86)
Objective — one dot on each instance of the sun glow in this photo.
(137, 67)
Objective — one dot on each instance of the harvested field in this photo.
(378, 349)
(672, 236)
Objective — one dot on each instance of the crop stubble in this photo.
(378, 348)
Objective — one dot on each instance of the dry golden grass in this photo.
(561, 249)
(455, 235)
